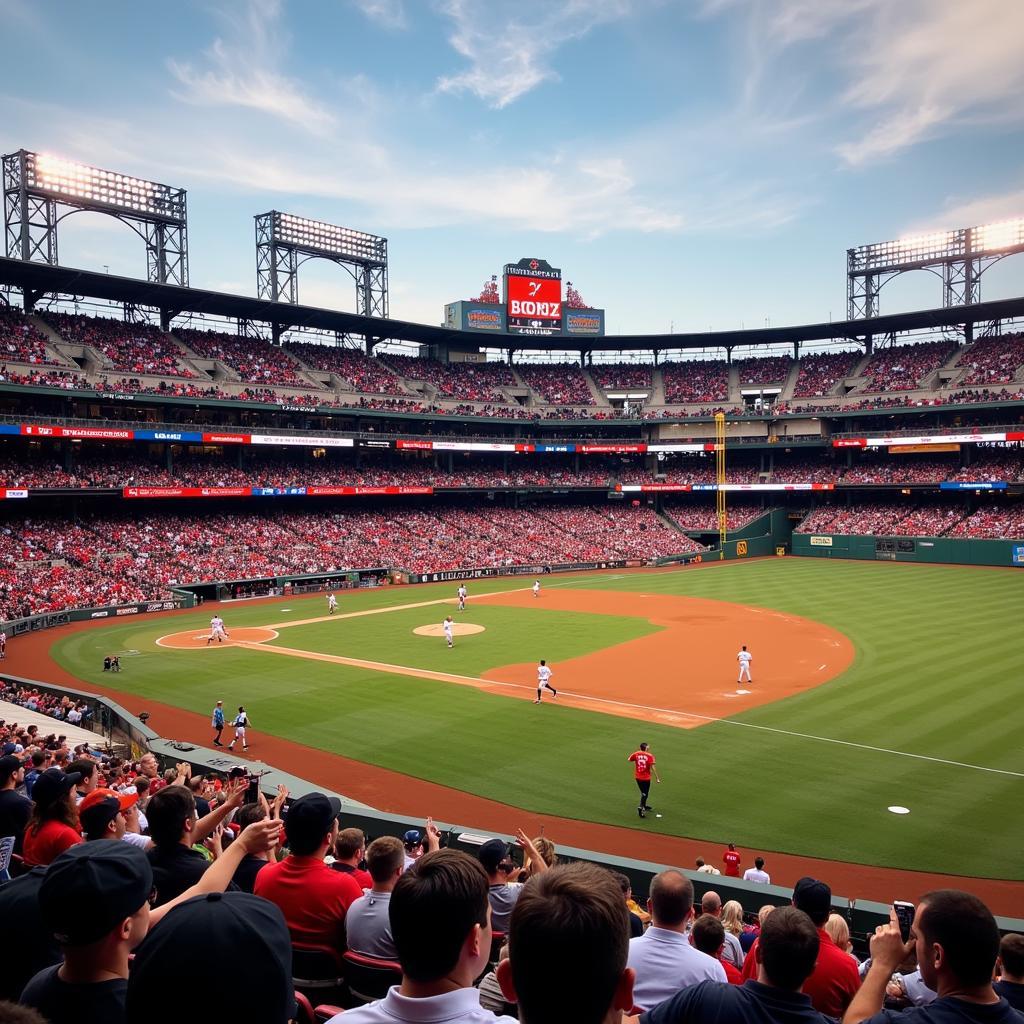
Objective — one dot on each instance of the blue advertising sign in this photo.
(960, 485)
(188, 436)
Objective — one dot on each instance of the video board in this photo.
(533, 297)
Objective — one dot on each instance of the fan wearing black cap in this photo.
(313, 898)
(835, 978)
(503, 893)
(53, 826)
(15, 809)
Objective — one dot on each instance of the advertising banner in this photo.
(302, 440)
(983, 485)
(584, 322)
(186, 492)
(821, 542)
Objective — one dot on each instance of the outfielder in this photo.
(744, 658)
(332, 604)
(241, 723)
(449, 631)
(544, 675)
(462, 597)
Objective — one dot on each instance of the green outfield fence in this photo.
(909, 549)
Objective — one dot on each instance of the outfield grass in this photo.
(937, 673)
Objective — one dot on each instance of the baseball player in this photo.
(536, 588)
(3, 645)
(462, 597)
(643, 762)
(241, 723)
(449, 630)
(217, 631)
(217, 723)
(332, 604)
(544, 675)
(744, 658)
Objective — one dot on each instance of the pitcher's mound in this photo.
(195, 639)
(458, 628)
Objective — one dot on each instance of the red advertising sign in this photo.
(186, 492)
(610, 449)
(533, 297)
(326, 492)
(101, 433)
(850, 442)
(226, 438)
(419, 446)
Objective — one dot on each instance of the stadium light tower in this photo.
(41, 190)
(959, 257)
(285, 242)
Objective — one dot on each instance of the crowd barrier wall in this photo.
(47, 620)
(909, 549)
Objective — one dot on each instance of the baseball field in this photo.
(875, 686)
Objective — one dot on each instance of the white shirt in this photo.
(536, 586)
(461, 1005)
(744, 657)
(135, 839)
(753, 875)
(447, 627)
(707, 869)
(462, 591)
(665, 962)
(543, 674)
(332, 601)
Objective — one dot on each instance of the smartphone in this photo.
(905, 916)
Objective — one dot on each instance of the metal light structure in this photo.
(284, 242)
(41, 190)
(959, 257)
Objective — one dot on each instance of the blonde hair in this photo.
(732, 917)
(838, 931)
(763, 913)
(546, 849)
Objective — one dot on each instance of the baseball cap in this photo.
(814, 898)
(413, 837)
(9, 765)
(53, 784)
(204, 927)
(91, 888)
(101, 806)
(310, 817)
(491, 854)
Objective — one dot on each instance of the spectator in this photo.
(38, 766)
(15, 809)
(313, 898)
(839, 933)
(102, 816)
(440, 918)
(255, 984)
(749, 935)
(662, 958)
(731, 858)
(503, 893)
(785, 958)
(1011, 970)
(34, 947)
(547, 852)
(89, 771)
(708, 936)
(568, 949)
(252, 863)
(349, 851)
(957, 943)
(413, 842)
(53, 825)
(757, 873)
(636, 924)
(367, 924)
(711, 903)
(706, 869)
(835, 978)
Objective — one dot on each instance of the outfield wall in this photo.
(48, 620)
(909, 549)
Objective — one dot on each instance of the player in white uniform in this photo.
(3, 644)
(744, 658)
(536, 588)
(217, 631)
(544, 675)
(462, 597)
(332, 604)
(449, 631)
(241, 723)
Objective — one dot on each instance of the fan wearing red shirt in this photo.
(731, 859)
(53, 827)
(313, 898)
(835, 979)
(643, 760)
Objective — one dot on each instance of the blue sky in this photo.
(686, 164)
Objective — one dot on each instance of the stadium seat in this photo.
(325, 1012)
(369, 978)
(317, 970)
(497, 941)
(304, 1010)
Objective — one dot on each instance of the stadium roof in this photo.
(38, 279)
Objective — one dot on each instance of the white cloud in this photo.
(958, 213)
(509, 56)
(388, 13)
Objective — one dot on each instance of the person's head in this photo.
(957, 940)
(101, 813)
(95, 899)
(350, 845)
(201, 930)
(838, 931)
(1011, 957)
(311, 824)
(385, 860)
(88, 770)
(763, 913)
(248, 814)
(54, 796)
(569, 922)
(413, 843)
(495, 860)
(142, 786)
(708, 935)
(787, 949)
(196, 784)
(732, 846)
(671, 900)
(711, 903)
(148, 766)
(814, 898)
(542, 661)
(38, 759)
(759, 863)
(700, 863)
(441, 918)
(11, 771)
(744, 647)
(241, 710)
(644, 746)
(732, 917)
(171, 814)
(546, 849)
(220, 703)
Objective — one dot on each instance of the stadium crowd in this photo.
(22, 342)
(764, 369)
(821, 372)
(696, 380)
(370, 376)
(557, 383)
(993, 360)
(470, 382)
(903, 367)
(892, 519)
(254, 360)
(610, 376)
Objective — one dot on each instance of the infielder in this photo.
(332, 604)
(217, 631)
(241, 723)
(462, 597)
(544, 675)
(744, 658)
(449, 631)
(536, 588)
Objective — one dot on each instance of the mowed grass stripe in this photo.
(936, 673)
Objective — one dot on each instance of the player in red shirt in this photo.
(643, 759)
(731, 859)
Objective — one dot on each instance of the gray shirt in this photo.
(368, 928)
(733, 951)
(503, 898)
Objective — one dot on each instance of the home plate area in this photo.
(458, 629)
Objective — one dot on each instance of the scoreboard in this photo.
(533, 297)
